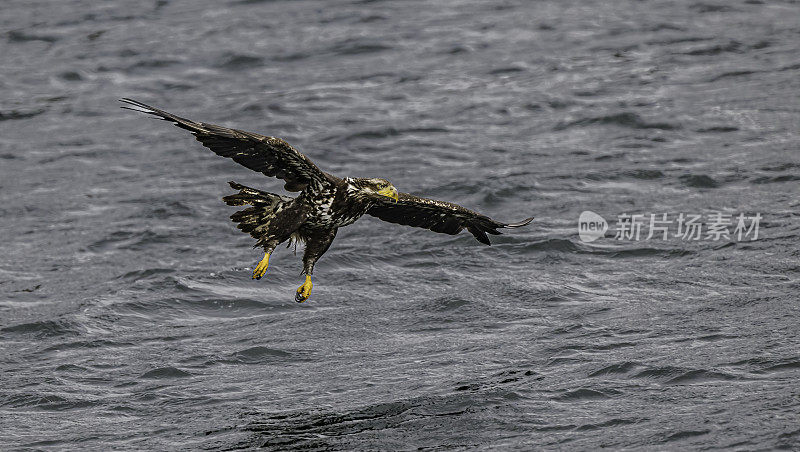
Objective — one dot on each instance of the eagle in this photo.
(324, 202)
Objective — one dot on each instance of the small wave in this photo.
(70, 76)
(413, 130)
(677, 40)
(152, 64)
(456, 49)
(703, 8)
(775, 179)
(624, 119)
(789, 365)
(563, 245)
(560, 360)
(357, 46)
(781, 167)
(71, 368)
(29, 289)
(129, 240)
(731, 74)
(260, 355)
(678, 375)
(168, 209)
(605, 157)
(644, 174)
(79, 155)
(49, 402)
(699, 181)
(618, 368)
(239, 61)
(165, 373)
(700, 376)
(373, 134)
(506, 70)
(377, 76)
(609, 423)
(717, 129)
(372, 18)
(176, 86)
(789, 439)
(388, 132)
(585, 394)
(791, 67)
(645, 252)
(18, 36)
(660, 372)
(295, 429)
(272, 106)
(450, 303)
(99, 343)
(594, 346)
(502, 378)
(16, 114)
(138, 275)
(733, 46)
(556, 428)
(707, 338)
(45, 328)
(684, 434)
(354, 428)
(289, 57)
(195, 304)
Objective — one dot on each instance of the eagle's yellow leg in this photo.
(261, 268)
(304, 291)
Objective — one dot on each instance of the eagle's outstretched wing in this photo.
(438, 216)
(268, 155)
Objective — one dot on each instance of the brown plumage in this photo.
(324, 203)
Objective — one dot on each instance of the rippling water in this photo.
(128, 317)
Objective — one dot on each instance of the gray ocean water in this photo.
(128, 318)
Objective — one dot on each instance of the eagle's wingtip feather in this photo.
(520, 224)
(137, 106)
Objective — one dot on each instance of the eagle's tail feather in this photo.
(252, 196)
(254, 219)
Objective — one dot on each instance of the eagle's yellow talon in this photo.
(261, 268)
(304, 291)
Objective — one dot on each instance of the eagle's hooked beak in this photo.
(390, 192)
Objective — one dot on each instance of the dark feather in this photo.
(438, 216)
(268, 155)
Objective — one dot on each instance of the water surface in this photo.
(128, 318)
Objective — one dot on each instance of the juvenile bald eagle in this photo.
(325, 202)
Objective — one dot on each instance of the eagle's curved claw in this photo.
(261, 268)
(304, 291)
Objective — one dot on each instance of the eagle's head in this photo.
(371, 187)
